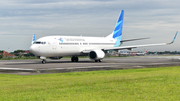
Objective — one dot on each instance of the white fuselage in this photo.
(59, 46)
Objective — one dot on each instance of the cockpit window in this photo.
(38, 42)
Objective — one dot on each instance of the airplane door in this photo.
(39, 48)
(54, 45)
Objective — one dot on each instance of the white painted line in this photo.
(16, 62)
(159, 63)
(78, 67)
(101, 66)
(4, 68)
(51, 69)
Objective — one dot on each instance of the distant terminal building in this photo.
(24, 52)
(6, 54)
(128, 53)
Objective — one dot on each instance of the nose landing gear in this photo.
(43, 61)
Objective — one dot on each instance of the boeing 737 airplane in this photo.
(55, 47)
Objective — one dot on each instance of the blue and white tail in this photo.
(33, 39)
(117, 33)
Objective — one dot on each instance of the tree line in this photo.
(165, 52)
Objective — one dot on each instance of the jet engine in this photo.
(55, 58)
(96, 54)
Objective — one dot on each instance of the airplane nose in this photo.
(32, 49)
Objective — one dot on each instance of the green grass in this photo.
(113, 85)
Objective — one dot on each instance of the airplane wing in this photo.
(131, 47)
(134, 39)
(135, 46)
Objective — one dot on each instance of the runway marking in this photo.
(137, 66)
(79, 67)
(159, 63)
(16, 62)
(5, 68)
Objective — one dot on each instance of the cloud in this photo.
(23, 18)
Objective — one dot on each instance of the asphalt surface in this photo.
(30, 67)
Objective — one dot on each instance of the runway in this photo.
(28, 67)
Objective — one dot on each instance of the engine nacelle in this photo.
(96, 54)
(55, 58)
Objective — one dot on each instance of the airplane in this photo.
(56, 47)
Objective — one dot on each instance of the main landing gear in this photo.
(98, 60)
(74, 59)
(43, 61)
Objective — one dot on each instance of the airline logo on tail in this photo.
(33, 39)
(117, 34)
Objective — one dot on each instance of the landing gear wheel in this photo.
(74, 59)
(100, 60)
(43, 61)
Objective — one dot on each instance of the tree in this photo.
(1, 56)
(28, 55)
(16, 54)
(18, 51)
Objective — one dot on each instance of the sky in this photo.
(157, 19)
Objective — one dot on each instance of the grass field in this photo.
(114, 85)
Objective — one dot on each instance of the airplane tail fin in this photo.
(33, 39)
(117, 33)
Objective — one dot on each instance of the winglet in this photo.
(33, 39)
(173, 39)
